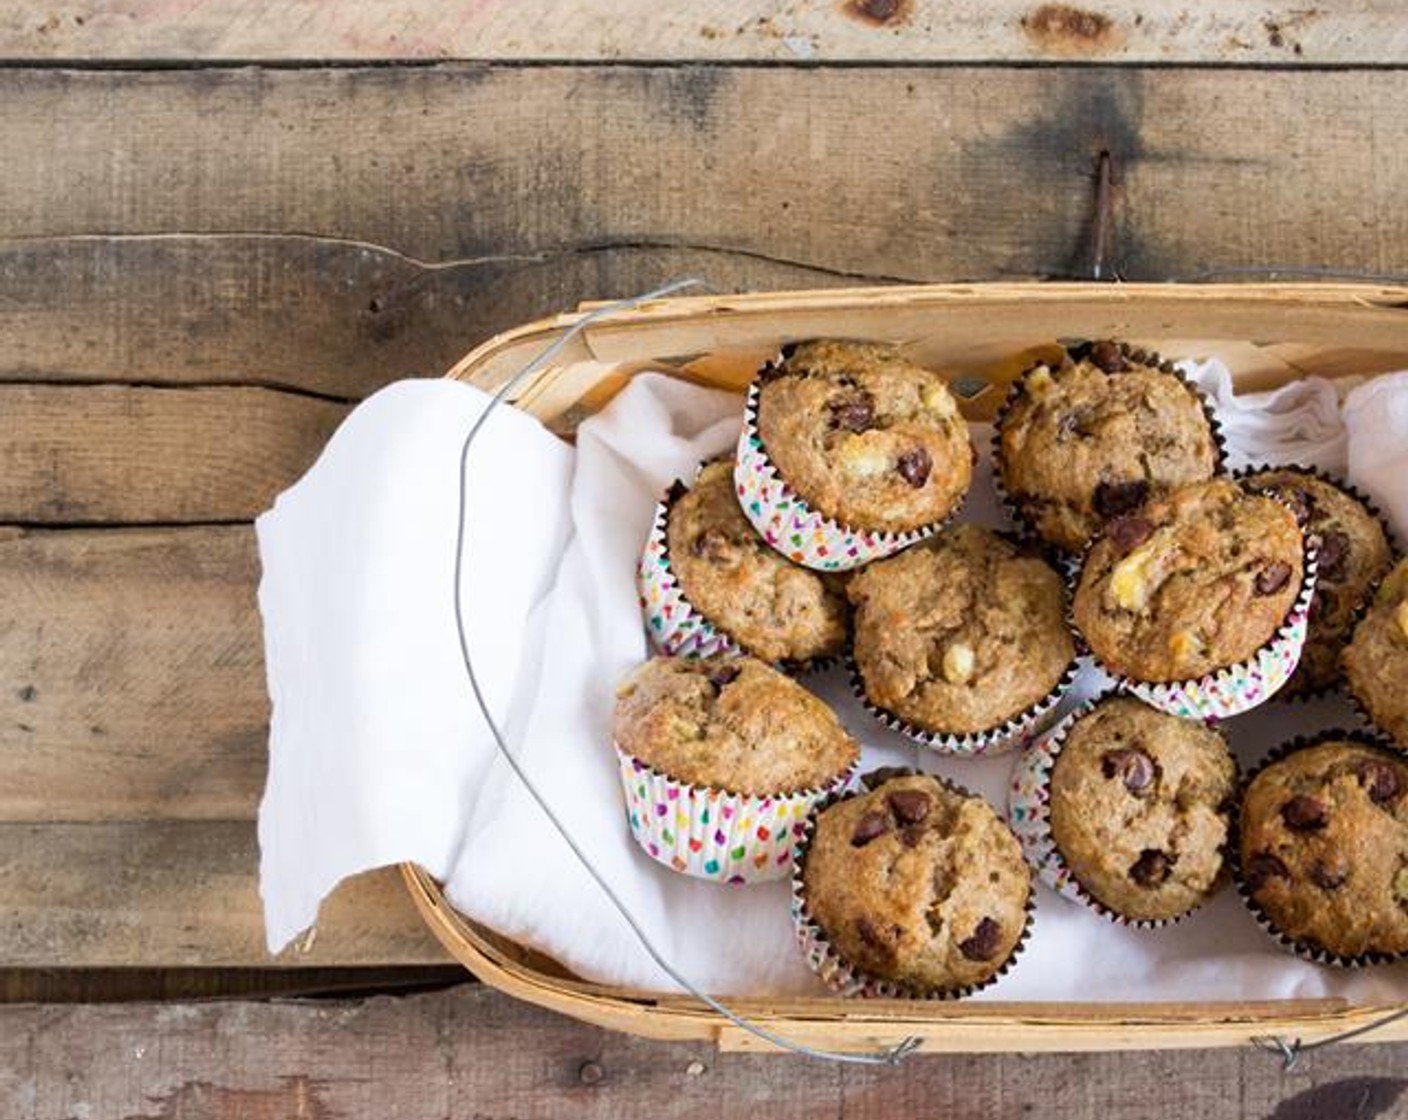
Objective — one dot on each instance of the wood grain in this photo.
(103, 454)
(473, 1051)
(179, 894)
(131, 677)
(1200, 31)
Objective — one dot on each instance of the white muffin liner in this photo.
(712, 834)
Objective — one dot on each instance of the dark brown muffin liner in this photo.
(1234, 689)
(1008, 735)
(1310, 951)
(839, 974)
(676, 626)
(789, 524)
(1018, 387)
(1244, 475)
(1029, 815)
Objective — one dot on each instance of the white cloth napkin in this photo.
(378, 755)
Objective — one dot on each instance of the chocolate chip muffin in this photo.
(1376, 659)
(1097, 437)
(730, 723)
(1353, 555)
(863, 436)
(1324, 847)
(1190, 583)
(1141, 806)
(960, 633)
(917, 884)
(773, 608)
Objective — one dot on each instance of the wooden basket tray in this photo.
(1267, 334)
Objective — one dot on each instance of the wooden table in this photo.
(223, 223)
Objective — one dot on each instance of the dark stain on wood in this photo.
(691, 93)
(1352, 1098)
(28, 693)
(1061, 29)
(879, 13)
(297, 1098)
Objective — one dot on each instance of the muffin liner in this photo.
(1070, 558)
(1245, 473)
(835, 971)
(1029, 814)
(710, 833)
(791, 526)
(1008, 735)
(1237, 688)
(1317, 954)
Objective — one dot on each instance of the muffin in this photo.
(1199, 581)
(1352, 554)
(1097, 437)
(1324, 849)
(849, 446)
(720, 759)
(961, 636)
(1140, 809)
(1376, 659)
(773, 609)
(914, 888)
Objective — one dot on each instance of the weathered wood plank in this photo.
(131, 676)
(1200, 31)
(124, 985)
(179, 894)
(102, 454)
(976, 173)
(473, 1051)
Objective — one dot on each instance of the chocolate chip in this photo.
(910, 806)
(1152, 867)
(1073, 423)
(912, 836)
(1112, 499)
(1300, 501)
(985, 942)
(1305, 814)
(852, 412)
(1327, 877)
(1272, 578)
(725, 675)
(1128, 533)
(881, 774)
(1262, 868)
(865, 928)
(1334, 551)
(914, 466)
(1380, 779)
(874, 824)
(1132, 766)
(1108, 356)
(713, 545)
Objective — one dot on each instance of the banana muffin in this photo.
(1097, 437)
(1190, 583)
(1376, 659)
(730, 723)
(773, 608)
(1324, 847)
(960, 633)
(864, 436)
(1141, 807)
(917, 884)
(1353, 554)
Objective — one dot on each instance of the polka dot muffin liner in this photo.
(834, 970)
(1237, 688)
(1029, 815)
(1009, 735)
(1309, 951)
(1296, 693)
(1071, 560)
(710, 833)
(677, 628)
(790, 525)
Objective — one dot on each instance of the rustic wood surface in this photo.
(1283, 33)
(472, 1052)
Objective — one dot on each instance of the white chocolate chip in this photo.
(1039, 382)
(938, 401)
(958, 663)
(1129, 583)
(863, 458)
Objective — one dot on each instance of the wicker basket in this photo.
(1267, 334)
